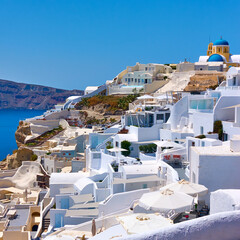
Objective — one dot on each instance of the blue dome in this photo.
(220, 42)
(215, 58)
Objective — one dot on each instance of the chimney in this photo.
(235, 143)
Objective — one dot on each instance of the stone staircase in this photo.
(46, 222)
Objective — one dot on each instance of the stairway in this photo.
(46, 223)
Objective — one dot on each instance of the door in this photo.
(64, 203)
(59, 220)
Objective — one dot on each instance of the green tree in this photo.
(126, 145)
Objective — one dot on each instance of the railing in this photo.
(112, 205)
(101, 145)
(44, 210)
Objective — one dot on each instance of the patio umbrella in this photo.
(144, 97)
(139, 223)
(189, 188)
(165, 201)
(168, 144)
(117, 149)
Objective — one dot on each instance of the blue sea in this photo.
(9, 120)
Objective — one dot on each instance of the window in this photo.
(146, 68)
(138, 80)
(146, 81)
(193, 144)
(144, 185)
(225, 136)
(128, 79)
(234, 81)
(160, 117)
(135, 80)
(125, 79)
(117, 144)
(167, 115)
(203, 144)
(201, 130)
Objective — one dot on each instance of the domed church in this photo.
(219, 52)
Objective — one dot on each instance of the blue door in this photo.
(59, 217)
(64, 203)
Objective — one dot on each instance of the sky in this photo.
(72, 44)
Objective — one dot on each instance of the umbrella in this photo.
(94, 229)
(165, 201)
(168, 144)
(138, 223)
(189, 188)
(144, 97)
(117, 149)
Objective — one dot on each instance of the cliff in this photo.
(15, 160)
(204, 80)
(29, 96)
(22, 132)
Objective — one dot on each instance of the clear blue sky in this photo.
(73, 43)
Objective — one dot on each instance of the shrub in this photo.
(113, 120)
(109, 145)
(149, 148)
(115, 167)
(126, 145)
(200, 136)
(218, 128)
(34, 157)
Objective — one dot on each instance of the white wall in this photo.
(113, 205)
(215, 172)
(202, 119)
(224, 226)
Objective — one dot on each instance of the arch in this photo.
(35, 214)
(34, 228)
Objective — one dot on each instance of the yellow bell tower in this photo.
(209, 50)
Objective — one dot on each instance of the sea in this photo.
(9, 120)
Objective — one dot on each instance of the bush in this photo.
(109, 145)
(113, 120)
(34, 157)
(200, 136)
(149, 148)
(126, 145)
(115, 167)
(218, 128)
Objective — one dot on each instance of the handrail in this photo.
(100, 145)
(43, 214)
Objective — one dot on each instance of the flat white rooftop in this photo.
(223, 150)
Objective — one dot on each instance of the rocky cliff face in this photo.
(22, 132)
(202, 81)
(29, 96)
(15, 160)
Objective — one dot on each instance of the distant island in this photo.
(15, 95)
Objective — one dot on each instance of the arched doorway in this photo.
(34, 228)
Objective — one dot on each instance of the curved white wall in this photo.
(224, 226)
